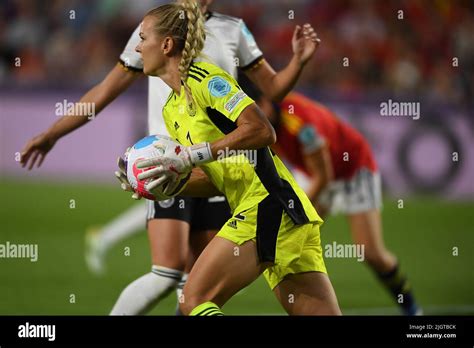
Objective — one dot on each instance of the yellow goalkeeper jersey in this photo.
(245, 178)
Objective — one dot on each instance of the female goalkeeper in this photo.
(173, 227)
(274, 228)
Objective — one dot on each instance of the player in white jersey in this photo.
(230, 45)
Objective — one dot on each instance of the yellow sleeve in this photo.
(221, 92)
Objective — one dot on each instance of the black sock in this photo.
(400, 288)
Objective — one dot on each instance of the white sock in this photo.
(179, 292)
(126, 224)
(145, 292)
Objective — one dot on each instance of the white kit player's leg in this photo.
(144, 293)
(100, 240)
(179, 292)
(180, 286)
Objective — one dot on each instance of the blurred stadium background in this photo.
(65, 47)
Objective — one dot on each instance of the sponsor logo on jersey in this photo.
(234, 101)
(218, 87)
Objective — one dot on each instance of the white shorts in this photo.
(363, 192)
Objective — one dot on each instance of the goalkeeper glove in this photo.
(121, 175)
(175, 164)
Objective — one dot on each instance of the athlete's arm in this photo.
(253, 132)
(319, 165)
(199, 185)
(276, 85)
(101, 95)
(247, 129)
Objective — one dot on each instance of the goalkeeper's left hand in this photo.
(121, 175)
(175, 164)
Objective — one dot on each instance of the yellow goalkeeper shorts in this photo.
(292, 248)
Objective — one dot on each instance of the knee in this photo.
(380, 260)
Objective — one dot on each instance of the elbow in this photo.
(269, 137)
(273, 136)
(263, 136)
(258, 131)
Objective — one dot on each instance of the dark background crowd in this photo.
(403, 47)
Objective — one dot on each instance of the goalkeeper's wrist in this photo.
(200, 153)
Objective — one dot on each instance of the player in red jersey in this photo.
(342, 177)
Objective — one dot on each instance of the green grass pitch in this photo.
(422, 234)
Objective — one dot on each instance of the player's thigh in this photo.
(301, 284)
(366, 229)
(222, 270)
(168, 242)
(168, 232)
(364, 202)
(198, 240)
(208, 217)
(308, 293)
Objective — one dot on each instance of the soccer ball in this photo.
(148, 147)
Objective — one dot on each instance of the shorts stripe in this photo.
(267, 172)
(371, 186)
(151, 210)
(268, 224)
